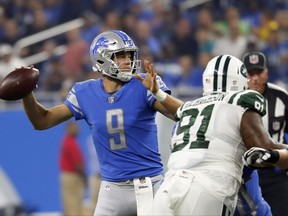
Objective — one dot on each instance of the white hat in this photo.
(5, 49)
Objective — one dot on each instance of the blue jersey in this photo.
(254, 190)
(123, 127)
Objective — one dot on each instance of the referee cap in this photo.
(254, 61)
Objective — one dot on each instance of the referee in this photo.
(273, 181)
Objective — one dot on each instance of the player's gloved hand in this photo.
(260, 158)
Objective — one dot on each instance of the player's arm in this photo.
(42, 118)
(260, 157)
(165, 103)
(168, 106)
(254, 134)
(282, 163)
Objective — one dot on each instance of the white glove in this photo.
(260, 157)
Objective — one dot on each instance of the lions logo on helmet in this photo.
(224, 73)
(105, 46)
(101, 42)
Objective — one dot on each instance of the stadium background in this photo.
(170, 33)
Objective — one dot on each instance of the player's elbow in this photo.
(40, 126)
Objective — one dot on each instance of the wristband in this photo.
(160, 95)
(274, 156)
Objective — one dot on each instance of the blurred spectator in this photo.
(53, 10)
(276, 52)
(8, 61)
(101, 7)
(168, 65)
(145, 53)
(39, 23)
(204, 40)
(73, 9)
(204, 20)
(111, 21)
(91, 26)
(11, 32)
(75, 57)
(203, 59)
(184, 40)
(252, 44)
(157, 11)
(72, 167)
(53, 76)
(231, 16)
(267, 24)
(187, 76)
(164, 30)
(136, 8)
(129, 24)
(2, 21)
(233, 44)
(144, 36)
(281, 18)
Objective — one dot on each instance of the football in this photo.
(19, 83)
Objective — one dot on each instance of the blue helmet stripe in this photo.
(122, 35)
(126, 39)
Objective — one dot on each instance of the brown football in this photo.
(19, 83)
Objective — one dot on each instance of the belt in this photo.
(153, 179)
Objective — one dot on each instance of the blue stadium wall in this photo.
(30, 159)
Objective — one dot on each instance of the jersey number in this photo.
(200, 121)
(115, 127)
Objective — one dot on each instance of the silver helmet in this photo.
(103, 49)
(224, 73)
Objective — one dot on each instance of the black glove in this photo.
(259, 157)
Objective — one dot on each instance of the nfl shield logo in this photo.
(111, 100)
(276, 125)
(253, 59)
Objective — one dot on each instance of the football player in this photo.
(213, 133)
(120, 112)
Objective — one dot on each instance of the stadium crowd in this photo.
(177, 36)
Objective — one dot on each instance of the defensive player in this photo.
(120, 112)
(213, 133)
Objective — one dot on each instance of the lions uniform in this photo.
(205, 165)
(118, 123)
(123, 128)
(124, 153)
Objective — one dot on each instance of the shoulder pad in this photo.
(249, 99)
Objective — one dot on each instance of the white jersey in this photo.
(207, 136)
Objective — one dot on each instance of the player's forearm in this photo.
(282, 163)
(171, 104)
(167, 104)
(34, 111)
